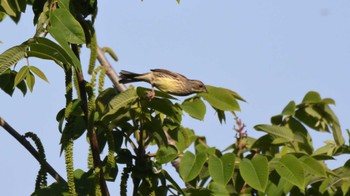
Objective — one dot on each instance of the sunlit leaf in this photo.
(291, 169)
(30, 79)
(38, 72)
(289, 109)
(221, 98)
(221, 169)
(313, 166)
(22, 73)
(64, 23)
(11, 56)
(255, 172)
(195, 107)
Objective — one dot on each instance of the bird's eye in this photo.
(200, 86)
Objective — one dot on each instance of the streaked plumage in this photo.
(166, 81)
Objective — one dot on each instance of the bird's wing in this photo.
(169, 73)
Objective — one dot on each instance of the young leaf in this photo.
(38, 72)
(291, 169)
(191, 165)
(195, 107)
(30, 79)
(255, 172)
(22, 73)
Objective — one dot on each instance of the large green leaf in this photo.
(280, 132)
(222, 99)
(195, 107)
(64, 23)
(313, 166)
(191, 165)
(46, 49)
(63, 33)
(221, 169)
(255, 172)
(11, 56)
(120, 101)
(291, 169)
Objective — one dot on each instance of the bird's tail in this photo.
(127, 77)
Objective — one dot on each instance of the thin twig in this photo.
(25, 143)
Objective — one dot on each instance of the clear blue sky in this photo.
(270, 52)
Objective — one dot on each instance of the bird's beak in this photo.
(204, 89)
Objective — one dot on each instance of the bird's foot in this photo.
(150, 94)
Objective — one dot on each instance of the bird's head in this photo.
(198, 87)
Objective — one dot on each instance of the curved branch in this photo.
(22, 140)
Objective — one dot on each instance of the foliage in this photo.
(281, 162)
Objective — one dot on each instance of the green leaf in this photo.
(281, 132)
(38, 72)
(22, 73)
(195, 107)
(166, 154)
(172, 181)
(255, 172)
(217, 189)
(61, 39)
(291, 169)
(221, 169)
(46, 49)
(312, 97)
(221, 98)
(30, 79)
(11, 56)
(289, 110)
(191, 165)
(313, 166)
(120, 101)
(183, 137)
(63, 23)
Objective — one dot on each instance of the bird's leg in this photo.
(151, 94)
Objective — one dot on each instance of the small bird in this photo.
(166, 81)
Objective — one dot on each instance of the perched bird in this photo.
(166, 81)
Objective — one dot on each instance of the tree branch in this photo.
(25, 143)
(110, 72)
(91, 133)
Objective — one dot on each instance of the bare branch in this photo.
(25, 143)
(110, 72)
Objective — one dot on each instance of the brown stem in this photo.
(110, 72)
(22, 140)
(91, 133)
